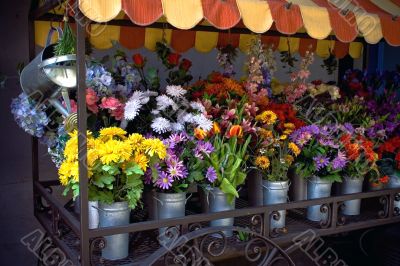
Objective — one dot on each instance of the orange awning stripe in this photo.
(221, 14)
(141, 12)
(287, 20)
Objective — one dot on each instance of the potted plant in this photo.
(116, 163)
(361, 159)
(321, 161)
(274, 155)
(389, 161)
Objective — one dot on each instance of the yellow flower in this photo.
(262, 162)
(294, 148)
(141, 160)
(92, 156)
(267, 117)
(289, 126)
(155, 146)
(289, 159)
(283, 137)
(136, 140)
(67, 171)
(114, 151)
(110, 132)
(287, 131)
(266, 134)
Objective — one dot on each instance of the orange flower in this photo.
(235, 130)
(199, 133)
(216, 129)
(352, 150)
(384, 179)
(345, 138)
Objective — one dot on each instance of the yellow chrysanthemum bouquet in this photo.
(274, 152)
(116, 163)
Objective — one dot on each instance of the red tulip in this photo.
(138, 60)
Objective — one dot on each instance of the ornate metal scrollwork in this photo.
(326, 209)
(257, 223)
(97, 243)
(276, 216)
(396, 203)
(56, 222)
(195, 226)
(213, 243)
(384, 200)
(341, 219)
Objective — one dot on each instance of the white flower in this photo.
(175, 91)
(177, 127)
(186, 117)
(198, 106)
(202, 122)
(163, 102)
(161, 125)
(132, 108)
(155, 112)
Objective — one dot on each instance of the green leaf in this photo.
(134, 169)
(196, 176)
(228, 188)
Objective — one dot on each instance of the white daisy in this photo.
(175, 91)
(186, 117)
(132, 108)
(161, 125)
(198, 106)
(163, 102)
(202, 122)
(177, 127)
(155, 112)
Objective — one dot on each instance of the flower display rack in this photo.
(195, 240)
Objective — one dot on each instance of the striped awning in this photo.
(347, 19)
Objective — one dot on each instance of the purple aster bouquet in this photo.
(184, 152)
(321, 153)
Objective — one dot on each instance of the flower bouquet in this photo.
(389, 160)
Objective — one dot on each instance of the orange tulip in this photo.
(199, 133)
(235, 130)
(216, 128)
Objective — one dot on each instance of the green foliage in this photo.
(67, 43)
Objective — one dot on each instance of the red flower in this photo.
(185, 64)
(118, 113)
(384, 179)
(91, 100)
(235, 131)
(173, 59)
(138, 60)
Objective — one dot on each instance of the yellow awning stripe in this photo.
(100, 10)
(183, 14)
(256, 15)
(206, 41)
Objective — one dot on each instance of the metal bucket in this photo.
(93, 214)
(93, 210)
(350, 186)
(219, 202)
(299, 186)
(317, 188)
(169, 205)
(115, 214)
(394, 182)
(204, 192)
(255, 190)
(275, 193)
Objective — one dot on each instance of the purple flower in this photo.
(328, 143)
(175, 139)
(203, 148)
(147, 176)
(340, 161)
(349, 128)
(304, 134)
(211, 174)
(321, 162)
(177, 171)
(164, 181)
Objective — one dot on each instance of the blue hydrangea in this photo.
(29, 116)
(128, 78)
(99, 79)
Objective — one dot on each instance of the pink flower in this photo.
(91, 100)
(110, 103)
(303, 74)
(247, 127)
(118, 113)
(229, 114)
(74, 106)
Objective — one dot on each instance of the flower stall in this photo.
(169, 168)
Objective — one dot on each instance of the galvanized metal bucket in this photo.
(169, 205)
(93, 214)
(218, 202)
(317, 188)
(275, 193)
(394, 182)
(350, 186)
(115, 214)
(254, 184)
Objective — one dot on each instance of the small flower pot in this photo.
(169, 205)
(115, 214)
(275, 193)
(219, 202)
(317, 188)
(351, 186)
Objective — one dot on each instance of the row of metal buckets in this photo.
(260, 192)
